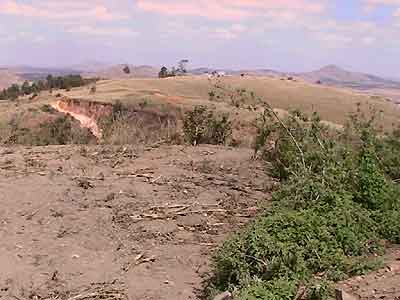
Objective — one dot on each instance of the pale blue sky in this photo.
(291, 35)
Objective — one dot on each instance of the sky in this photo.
(288, 35)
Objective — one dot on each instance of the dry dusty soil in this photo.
(85, 223)
(113, 223)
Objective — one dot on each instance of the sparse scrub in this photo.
(47, 108)
(139, 125)
(202, 126)
(336, 204)
(57, 130)
(239, 97)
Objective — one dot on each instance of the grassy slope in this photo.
(333, 104)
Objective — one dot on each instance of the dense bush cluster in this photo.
(52, 82)
(57, 130)
(181, 70)
(337, 204)
(202, 126)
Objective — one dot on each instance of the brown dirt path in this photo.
(381, 284)
(97, 221)
(84, 120)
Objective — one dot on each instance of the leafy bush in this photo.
(336, 204)
(201, 126)
(388, 150)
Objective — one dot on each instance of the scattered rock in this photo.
(342, 295)
(85, 184)
(394, 267)
(224, 296)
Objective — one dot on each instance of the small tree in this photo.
(13, 92)
(50, 81)
(26, 88)
(173, 72)
(163, 72)
(126, 69)
(201, 126)
(182, 66)
(41, 85)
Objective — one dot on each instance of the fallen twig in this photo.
(158, 178)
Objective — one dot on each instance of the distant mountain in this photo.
(200, 71)
(91, 66)
(117, 72)
(331, 75)
(260, 72)
(18, 74)
(336, 76)
(255, 72)
(7, 78)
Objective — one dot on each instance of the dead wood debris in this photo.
(169, 212)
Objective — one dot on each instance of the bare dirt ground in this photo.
(117, 223)
(382, 284)
(120, 223)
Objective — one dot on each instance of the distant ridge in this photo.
(331, 75)
(18, 74)
(336, 76)
(8, 78)
(117, 72)
(328, 75)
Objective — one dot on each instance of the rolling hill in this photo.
(117, 72)
(7, 78)
(330, 75)
(17, 74)
(336, 76)
(333, 104)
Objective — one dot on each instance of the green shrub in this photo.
(388, 150)
(336, 204)
(201, 126)
(293, 142)
(257, 289)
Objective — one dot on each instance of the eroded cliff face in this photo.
(86, 112)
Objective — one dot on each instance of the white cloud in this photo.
(103, 31)
(232, 32)
(61, 10)
(368, 40)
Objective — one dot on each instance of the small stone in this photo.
(394, 267)
(224, 296)
(75, 256)
(358, 278)
(342, 295)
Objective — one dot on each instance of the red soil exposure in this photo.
(86, 112)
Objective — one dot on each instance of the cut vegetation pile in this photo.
(337, 209)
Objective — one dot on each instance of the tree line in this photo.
(51, 82)
(181, 70)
